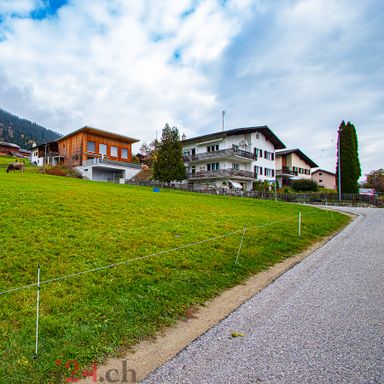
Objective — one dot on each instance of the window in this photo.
(102, 149)
(320, 181)
(269, 172)
(212, 166)
(269, 155)
(261, 170)
(255, 153)
(260, 153)
(320, 174)
(124, 153)
(114, 152)
(91, 146)
(257, 136)
(213, 148)
(236, 166)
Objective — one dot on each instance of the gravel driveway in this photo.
(321, 322)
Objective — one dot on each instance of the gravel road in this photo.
(321, 322)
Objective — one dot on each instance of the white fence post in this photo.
(299, 223)
(240, 246)
(37, 310)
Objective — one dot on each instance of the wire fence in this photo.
(333, 199)
(236, 258)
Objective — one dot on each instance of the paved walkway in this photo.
(321, 322)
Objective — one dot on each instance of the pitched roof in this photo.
(100, 132)
(299, 153)
(5, 144)
(240, 131)
(324, 171)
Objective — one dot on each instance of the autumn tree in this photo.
(375, 179)
(148, 152)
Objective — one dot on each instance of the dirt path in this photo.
(149, 355)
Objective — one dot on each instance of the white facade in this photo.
(103, 170)
(35, 159)
(231, 159)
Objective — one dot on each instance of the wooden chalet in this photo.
(97, 154)
(89, 143)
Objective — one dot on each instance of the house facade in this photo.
(232, 159)
(96, 154)
(292, 164)
(47, 153)
(324, 179)
(11, 149)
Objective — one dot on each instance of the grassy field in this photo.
(71, 225)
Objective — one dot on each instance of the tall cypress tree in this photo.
(168, 165)
(348, 157)
(356, 161)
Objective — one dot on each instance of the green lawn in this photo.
(70, 225)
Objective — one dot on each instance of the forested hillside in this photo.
(23, 132)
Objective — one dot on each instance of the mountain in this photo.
(23, 132)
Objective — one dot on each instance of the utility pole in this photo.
(339, 165)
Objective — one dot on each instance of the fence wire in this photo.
(11, 290)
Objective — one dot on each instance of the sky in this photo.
(131, 66)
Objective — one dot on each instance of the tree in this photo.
(168, 164)
(375, 179)
(148, 152)
(348, 157)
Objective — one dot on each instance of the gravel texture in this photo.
(321, 322)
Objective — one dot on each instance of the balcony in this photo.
(222, 173)
(223, 153)
(286, 171)
(100, 161)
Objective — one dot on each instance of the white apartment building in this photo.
(231, 159)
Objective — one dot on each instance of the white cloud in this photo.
(114, 66)
(131, 66)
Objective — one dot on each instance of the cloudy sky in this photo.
(130, 66)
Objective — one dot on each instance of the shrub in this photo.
(261, 186)
(60, 170)
(304, 185)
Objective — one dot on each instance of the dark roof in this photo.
(240, 131)
(324, 171)
(300, 154)
(100, 132)
(24, 151)
(5, 144)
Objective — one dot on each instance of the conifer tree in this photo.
(349, 158)
(168, 164)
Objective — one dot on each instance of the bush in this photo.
(60, 170)
(261, 186)
(304, 185)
